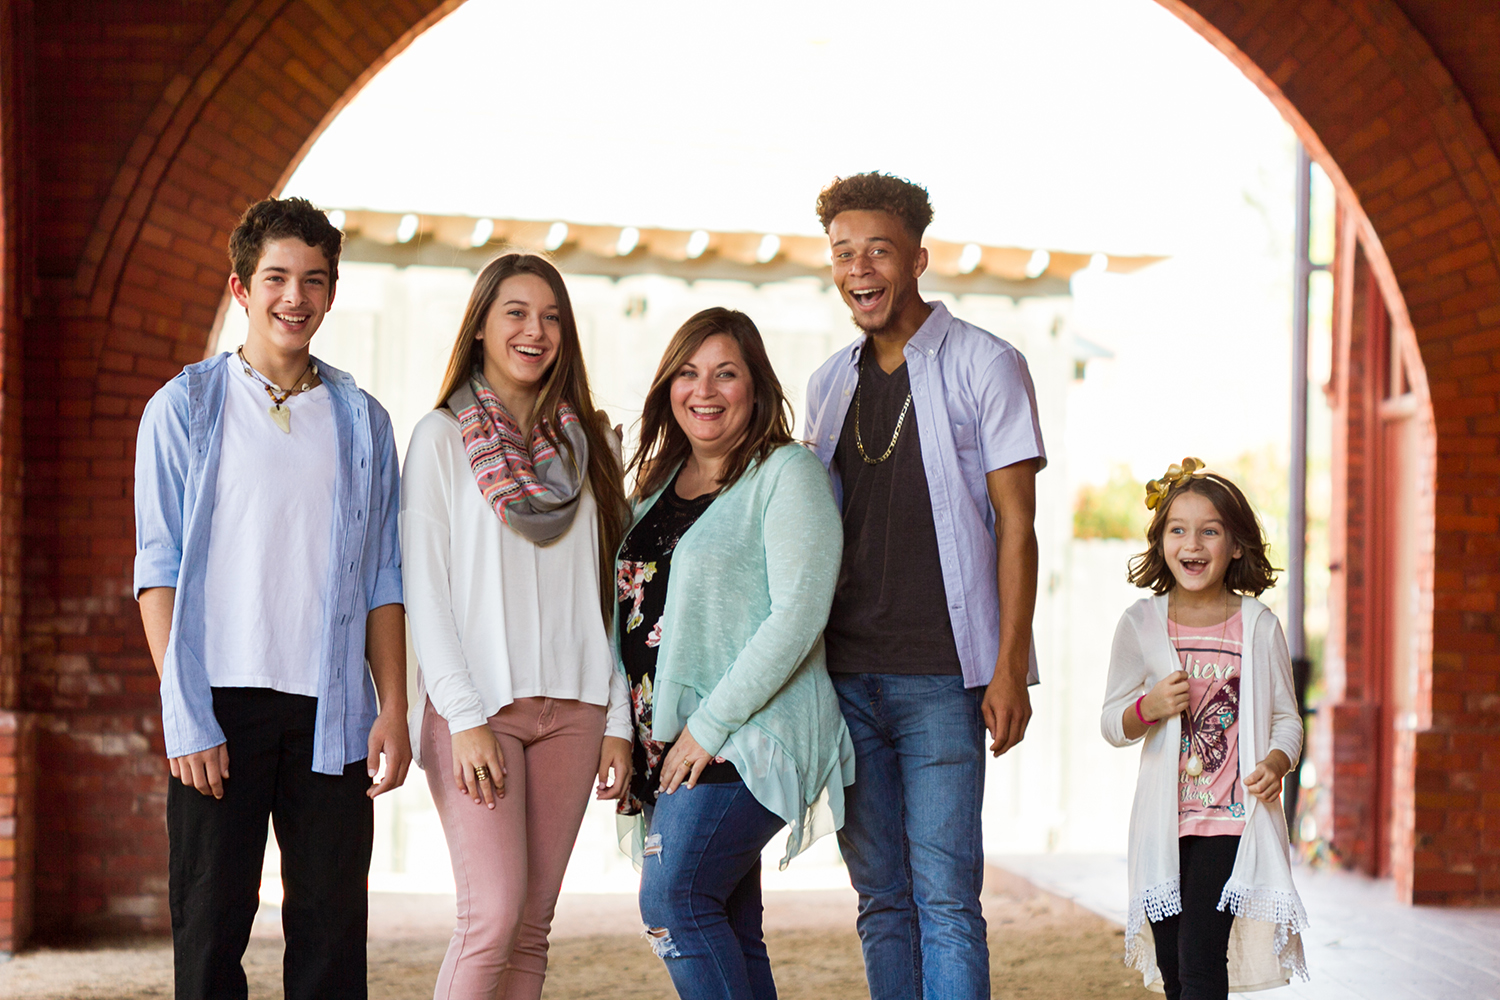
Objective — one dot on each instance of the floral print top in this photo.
(641, 572)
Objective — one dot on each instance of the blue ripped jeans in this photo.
(911, 835)
(700, 891)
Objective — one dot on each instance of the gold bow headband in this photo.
(1157, 489)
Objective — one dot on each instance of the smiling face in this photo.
(712, 397)
(287, 297)
(520, 336)
(876, 264)
(1196, 545)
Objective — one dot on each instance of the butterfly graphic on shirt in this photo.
(1210, 724)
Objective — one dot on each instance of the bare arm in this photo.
(1007, 704)
(206, 769)
(385, 648)
(156, 615)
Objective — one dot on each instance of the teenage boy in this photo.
(929, 428)
(269, 580)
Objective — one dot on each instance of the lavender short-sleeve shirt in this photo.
(976, 412)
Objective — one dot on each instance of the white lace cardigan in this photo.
(1265, 946)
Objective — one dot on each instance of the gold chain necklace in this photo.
(280, 413)
(1194, 766)
(895, 434)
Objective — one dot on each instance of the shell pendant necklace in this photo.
(281, 414)
(1194, 765)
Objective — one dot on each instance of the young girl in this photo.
(1201, 673)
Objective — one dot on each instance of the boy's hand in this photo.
(1168, 698)
(1265, 781)
(205, 770)
(388, 738)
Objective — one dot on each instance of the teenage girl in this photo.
(1200, 673)
(512, 507)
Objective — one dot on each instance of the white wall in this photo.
(393, 329)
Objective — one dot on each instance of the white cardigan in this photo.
(493, 616)
(1266, 942)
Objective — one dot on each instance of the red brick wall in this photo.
(156, 121)
(1387, 119)
(161, 121)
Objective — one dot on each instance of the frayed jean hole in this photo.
(661, 942)
(652, 846)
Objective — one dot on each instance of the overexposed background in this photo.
(1098, 126)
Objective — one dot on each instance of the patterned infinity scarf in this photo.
(531, 487)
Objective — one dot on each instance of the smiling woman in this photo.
(724, 584)
(512, 505)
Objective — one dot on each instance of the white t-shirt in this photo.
(268, 550)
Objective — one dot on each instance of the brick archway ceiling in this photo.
(1373, 102)
(157, 119)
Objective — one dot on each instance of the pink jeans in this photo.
(508, 862)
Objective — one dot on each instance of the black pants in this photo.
(1192, 948)
(325, 827)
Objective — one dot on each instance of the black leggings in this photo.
(1192, 948)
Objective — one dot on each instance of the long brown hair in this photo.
(1252, 573)
(664, 446)
(567, 381)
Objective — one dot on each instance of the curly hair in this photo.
(877, 192)
(1251, 574)
(277, 219)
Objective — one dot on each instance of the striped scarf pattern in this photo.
(533, 489)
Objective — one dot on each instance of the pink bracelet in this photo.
(1144, 721)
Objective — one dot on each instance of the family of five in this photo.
(761, 632)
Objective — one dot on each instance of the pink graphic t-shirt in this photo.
(1212, 803)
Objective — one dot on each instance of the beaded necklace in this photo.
(280, 413)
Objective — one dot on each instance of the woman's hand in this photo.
(685, 761)
(1168, 698)
(1265, 781)
(474, 749)
(614, 756)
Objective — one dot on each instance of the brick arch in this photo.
(249, 91)
(132, 277)
(1417, 169)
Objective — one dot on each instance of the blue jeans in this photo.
(911, 835)
(700, 891)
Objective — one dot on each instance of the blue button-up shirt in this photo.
(176, 478)
(976, 412)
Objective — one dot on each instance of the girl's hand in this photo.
(474, 749)
(1168, 698)
(685, 761)
(614, 755)
(1265, 781)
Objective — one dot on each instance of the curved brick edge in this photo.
(1383, 116)
(233, 118)
(1378, 110)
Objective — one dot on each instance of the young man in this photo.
(268, 575)
(929, 427)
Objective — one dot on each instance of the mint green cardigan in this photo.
(741, 659)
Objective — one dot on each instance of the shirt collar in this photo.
(928, 338)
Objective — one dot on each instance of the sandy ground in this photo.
(1041, 948)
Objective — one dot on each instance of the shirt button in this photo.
(831, 437)
(929, 352)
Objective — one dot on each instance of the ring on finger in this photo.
(481, 773)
